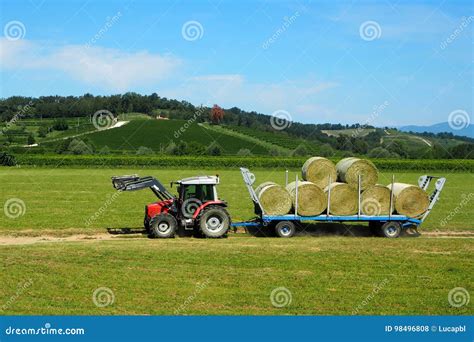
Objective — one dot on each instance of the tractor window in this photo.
(203, 193)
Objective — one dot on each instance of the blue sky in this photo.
(383, 63)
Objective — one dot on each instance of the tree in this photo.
(31, 139)
(7, 159)
(217, 114)
(143, 150)
(77, 146)
(300, 151)
(60, 125)
(214, 149)
(244, 152)
(42, 131)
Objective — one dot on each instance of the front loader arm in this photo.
(134, 182)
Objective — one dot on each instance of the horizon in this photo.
(378, 64)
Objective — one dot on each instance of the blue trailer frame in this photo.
(390, 221)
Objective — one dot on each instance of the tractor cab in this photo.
(200, 188)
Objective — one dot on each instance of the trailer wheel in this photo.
(285, 229)
(391, 229)
(214, 222)
(163, 226)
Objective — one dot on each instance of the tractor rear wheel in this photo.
(214, 222)
(163, 226)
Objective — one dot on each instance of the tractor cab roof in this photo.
(199, 180)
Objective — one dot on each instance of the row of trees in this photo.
(17, 108)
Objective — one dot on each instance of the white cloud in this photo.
(230, 90)
(110, 69)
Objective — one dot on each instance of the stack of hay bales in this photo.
(321, 176)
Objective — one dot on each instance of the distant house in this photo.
(159, 117)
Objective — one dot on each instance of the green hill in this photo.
(158, 134)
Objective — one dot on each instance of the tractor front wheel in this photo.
(163, 226)
(214, 222)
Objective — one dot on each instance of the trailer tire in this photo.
(285, 229)
(163, 226)
(214, 222)
(391, 229)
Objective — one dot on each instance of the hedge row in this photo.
(227, 162)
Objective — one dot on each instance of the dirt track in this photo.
(9, 240)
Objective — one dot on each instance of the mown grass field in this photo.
(59, 199)
(323, 275)
(331, 275)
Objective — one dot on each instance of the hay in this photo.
(312, 200)
(318, 170)
(274, 199)
(349, 169)
(343, 200)
(375, 200)
(409, 200)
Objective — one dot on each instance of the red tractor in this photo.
(197, 206)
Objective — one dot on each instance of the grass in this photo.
(324, 275)
(65, 199)
(330, 275)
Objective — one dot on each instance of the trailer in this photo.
(390, 226)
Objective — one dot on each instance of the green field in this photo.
(53, 259)
(66, 198)
(328, 275)
(157, 134)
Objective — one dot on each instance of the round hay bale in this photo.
(343, 199)
(274, 199)
(312, 200)
(264, 184)
(318, 170)
(349, 169)
(375, 200)
(409, 200)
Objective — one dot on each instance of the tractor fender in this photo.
(205, 205)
